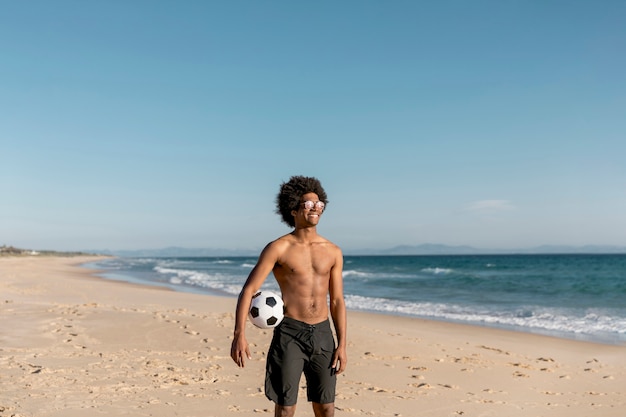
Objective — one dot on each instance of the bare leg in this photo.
(324, 410)
(284, 410)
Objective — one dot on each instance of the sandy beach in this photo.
(72, 344)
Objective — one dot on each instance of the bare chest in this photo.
(314, 263)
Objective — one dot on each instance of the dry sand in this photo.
(75, 345)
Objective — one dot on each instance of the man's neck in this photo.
(305, 233)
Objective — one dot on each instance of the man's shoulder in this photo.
(282, 240)
(328, 242)
(280, 243)
(336, 249)
(329, 246)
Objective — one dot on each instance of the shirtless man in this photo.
(308, 268)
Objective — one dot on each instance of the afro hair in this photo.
(288, 198)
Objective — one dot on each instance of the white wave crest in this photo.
(530, 318)
(353, 273)
(437, 270)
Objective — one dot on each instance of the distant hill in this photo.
(437, 249)
(175, 251)
(13, 251)
(591, 249)
(422, 249)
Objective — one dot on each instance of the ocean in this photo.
(570, 296)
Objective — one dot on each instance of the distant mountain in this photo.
(422, 249)
(175, 251)
(425, 249)
(591, 249)
(437, 249)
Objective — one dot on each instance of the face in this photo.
(309, 213)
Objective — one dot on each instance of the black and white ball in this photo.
(266, 310)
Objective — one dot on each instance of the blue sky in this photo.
(146, 124)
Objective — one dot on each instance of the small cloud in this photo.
(489, 206)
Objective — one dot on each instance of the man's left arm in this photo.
(338, 313)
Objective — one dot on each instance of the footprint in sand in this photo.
(347, 409)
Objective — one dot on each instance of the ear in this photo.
(294, 213)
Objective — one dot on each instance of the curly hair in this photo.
(288, 198)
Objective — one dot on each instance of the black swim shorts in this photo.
(299, 347)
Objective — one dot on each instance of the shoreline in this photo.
(73, 343)
(611, 340)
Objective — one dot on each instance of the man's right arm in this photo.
(240, 351)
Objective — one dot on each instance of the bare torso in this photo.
(303, 273)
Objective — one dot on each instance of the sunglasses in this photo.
(310, 204)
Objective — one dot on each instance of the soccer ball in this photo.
(266, 310)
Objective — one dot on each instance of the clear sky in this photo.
(147, 124)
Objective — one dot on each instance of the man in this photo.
(308, 269)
